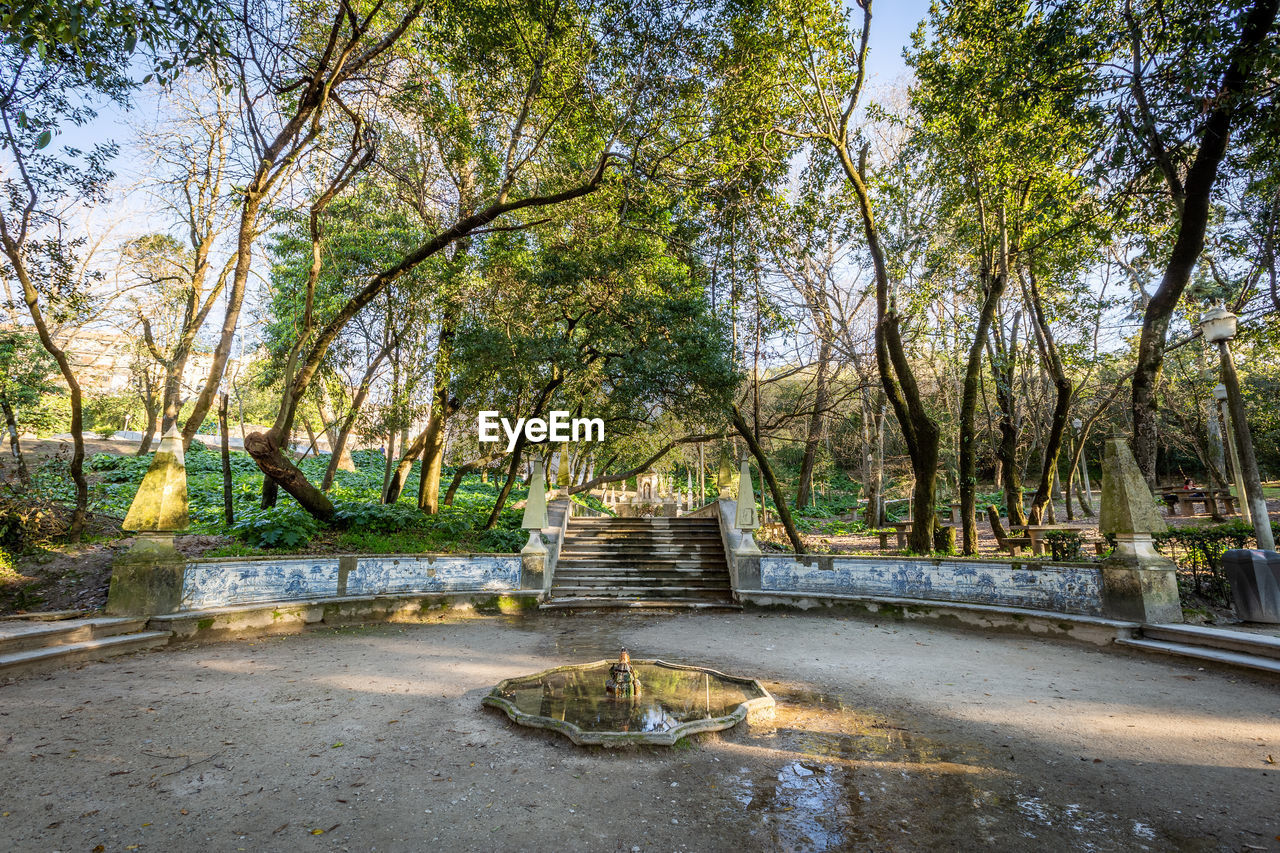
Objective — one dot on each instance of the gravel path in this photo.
(887, 737)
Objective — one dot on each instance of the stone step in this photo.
(1259, 645)
(622, 569)
(683, 521)
(19, 636)
(1204, 653)
(634, 547)
(613, 536)
(693, 561)
(44, 659)
(641, 582)
(44, 615)
(699, 594)
(595, 603)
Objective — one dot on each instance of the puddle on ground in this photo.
(822, 776)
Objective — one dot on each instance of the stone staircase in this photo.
(642, 562)
(1215, 645)
(35, 644)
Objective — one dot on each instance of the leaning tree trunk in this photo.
(766, 470)
(264, 447)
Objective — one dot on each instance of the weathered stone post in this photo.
(745, 553)
(724, 475)
(533, 556)
(147, 579)
(1137, 583)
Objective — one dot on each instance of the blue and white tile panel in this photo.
(252, 581)
(220, 584)
(1060, 588)
(377, 575)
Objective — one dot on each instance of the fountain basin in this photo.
(675, 701)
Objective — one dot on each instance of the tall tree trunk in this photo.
(993, 287)
(15, 446)
(512, 469)
(1196, 194)
(339, 447)
(1041, 502)
(228, 502)
(153, 423)
(814, 435)
(1006, 450)
(29, 294)
(920, 431)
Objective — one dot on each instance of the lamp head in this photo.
(1219, 324)
(1220, 392)
(1076, 423)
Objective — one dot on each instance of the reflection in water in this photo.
(824, 777)
(670, 697)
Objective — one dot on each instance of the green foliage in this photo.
(378, 517)
(1199, 550)
(284, 525)
(1066, 545)
(106, 413)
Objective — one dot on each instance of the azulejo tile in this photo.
(377, 575)
(251, 581)
(1041, 586)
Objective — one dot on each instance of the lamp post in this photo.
(1219, 327)
(1220, 394)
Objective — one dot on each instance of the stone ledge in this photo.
(1094, 630)
(288, 617)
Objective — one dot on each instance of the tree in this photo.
(1190, 86)
(26, 371)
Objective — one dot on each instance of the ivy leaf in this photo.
(44, 139)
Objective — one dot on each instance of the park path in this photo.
(888, 736)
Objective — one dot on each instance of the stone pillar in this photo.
(533, 556)
(147, 579)
(1137, 583)
(745, 518)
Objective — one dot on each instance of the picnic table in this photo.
(1036, 532)
(1182, 501)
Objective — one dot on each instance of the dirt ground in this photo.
(887, 737)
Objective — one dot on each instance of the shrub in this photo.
(379, 517)
(285, 525)
(1065, 545)
(1199, 550)
(502, 541)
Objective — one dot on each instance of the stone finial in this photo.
(535, 513)
(724, 475)
(161, 503)
(1127, 504)
(746, 517)
(535, 507)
